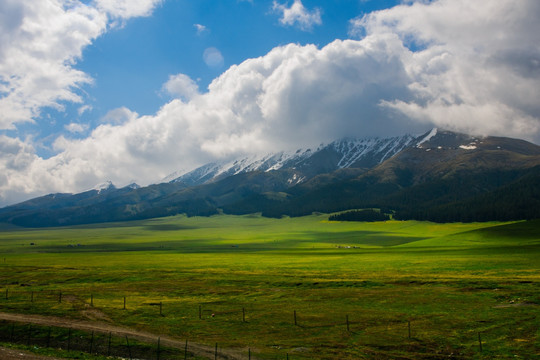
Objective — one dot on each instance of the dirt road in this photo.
(197, 349)
(12, 354)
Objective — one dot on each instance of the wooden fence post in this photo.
(29, 335)
(185, 351)
(109, 345)
(243, 315)
(49, 337)
(215, 353)
(480, 341)
(347, 319)
(409, 326)
(129, 348)
(295, 317)
(91, 343)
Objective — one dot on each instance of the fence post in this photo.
(215, 353)
(480, 341)
(295, 317)
(49, 337)
(92, 300)
(249, 354)
(129, 348)
(29, 335)
(243, 315)
(92, 342)
(347, 319)
(200, 312)
(409, 326)
(185, 351)
(109, 345)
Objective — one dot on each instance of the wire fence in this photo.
(129, 347)
(94, 342)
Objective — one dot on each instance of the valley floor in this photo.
(302, 288)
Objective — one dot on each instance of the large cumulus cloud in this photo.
(475, 65)
(467, 66)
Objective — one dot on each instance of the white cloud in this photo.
(213, 57)
(38, 48)
(85, 108)
(298, 15)
(40, 44)
(119, 116)
(475, 65)
(201, 29)
(126, 9)
(76, 128)
(181, 86)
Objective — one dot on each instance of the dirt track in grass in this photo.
(196, 349)
(15, 354)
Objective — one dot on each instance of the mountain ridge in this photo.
(415, 177)
(342, 153)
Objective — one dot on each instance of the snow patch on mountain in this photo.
(107, 185)
(344, 153)
(376, 149)
(428, 137)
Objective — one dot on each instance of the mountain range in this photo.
(438, 176)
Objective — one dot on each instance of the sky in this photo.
(134, 90)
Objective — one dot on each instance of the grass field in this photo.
(450, 282)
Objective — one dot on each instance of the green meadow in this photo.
(384, 290)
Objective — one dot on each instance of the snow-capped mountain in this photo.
(107, 185)
(344, 153)
(438, 176)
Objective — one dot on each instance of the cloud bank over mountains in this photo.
(470, 66)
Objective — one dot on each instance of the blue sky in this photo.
(133, 90)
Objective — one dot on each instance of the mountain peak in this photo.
(107, 185)
(426, 137)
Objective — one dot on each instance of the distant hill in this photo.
(439, 176)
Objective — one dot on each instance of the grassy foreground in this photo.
(407, 290)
